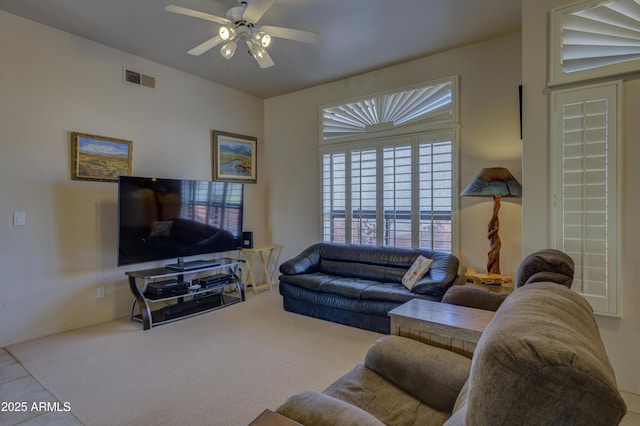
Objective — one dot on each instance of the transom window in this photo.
(594, 39)
(432, 104)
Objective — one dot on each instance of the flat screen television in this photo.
(176, 218)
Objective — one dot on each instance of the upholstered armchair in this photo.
(540, 361)
(549, 265)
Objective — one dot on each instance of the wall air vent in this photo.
(139, 79)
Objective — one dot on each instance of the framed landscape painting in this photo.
(99, 158)
(234, 157)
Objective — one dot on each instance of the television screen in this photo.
(175, 218)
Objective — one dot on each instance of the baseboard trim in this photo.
(632, 400)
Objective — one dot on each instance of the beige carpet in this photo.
(220, 368)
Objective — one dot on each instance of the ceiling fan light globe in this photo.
(228, 50)
(263, 38)
(257, 51)
(226, 33)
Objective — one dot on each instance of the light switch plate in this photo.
(19, 219)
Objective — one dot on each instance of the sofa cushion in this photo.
(541, 361)
(354, 269)
(390, 404)
(317, 409)
(410, 364)
(351, 304)
(473, 298)
(358, 288)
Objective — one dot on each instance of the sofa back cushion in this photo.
(426, 372)
(385, 264)
(541, 361)
(364, 262)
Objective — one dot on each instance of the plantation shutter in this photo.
(364, 196)
(433, 104)
(334, 192)
(397, 196)
(390, 192)
(436, 193)
(585, 154)
(594, 39)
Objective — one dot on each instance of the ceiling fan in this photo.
(241, 25)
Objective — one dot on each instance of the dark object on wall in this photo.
(520, 99)
(175, 218)
(247, 240)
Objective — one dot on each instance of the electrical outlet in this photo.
(100, 292)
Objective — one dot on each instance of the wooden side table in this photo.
(452, 327)
(269, 257)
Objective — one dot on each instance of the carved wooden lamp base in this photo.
(493, 262)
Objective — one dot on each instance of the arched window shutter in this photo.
(430, 103)
(595, 39)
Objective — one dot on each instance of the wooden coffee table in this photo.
(452, 327)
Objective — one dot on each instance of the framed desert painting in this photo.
(234, 157)
(99, 158)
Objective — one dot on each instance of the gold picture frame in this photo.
(99, 158)
(234, 157)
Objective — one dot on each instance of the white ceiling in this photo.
(355, 36)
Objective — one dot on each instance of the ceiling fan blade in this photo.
(196, 14)
(206, 46)
(291, 34)
(260, 54)
(256, 8)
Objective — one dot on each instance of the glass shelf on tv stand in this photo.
(155, 311)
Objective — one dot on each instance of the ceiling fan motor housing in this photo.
(235, 14)
(243, 28)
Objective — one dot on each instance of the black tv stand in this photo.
(192, 265)
(211, 293)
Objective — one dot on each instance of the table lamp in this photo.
(496, 182)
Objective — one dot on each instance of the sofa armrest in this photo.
(317, 409)
(442, 272)
(546, 265)
(305, 263)
(433, 375)
(473, 298)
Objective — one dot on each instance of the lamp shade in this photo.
(492, 181)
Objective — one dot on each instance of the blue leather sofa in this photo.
(357, 285)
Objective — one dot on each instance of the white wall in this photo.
(490, 136)
(620, 335)
(53, 83)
